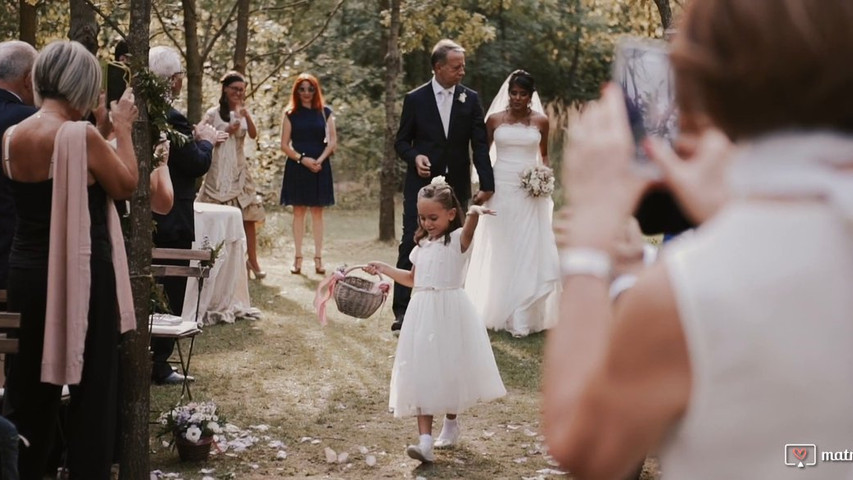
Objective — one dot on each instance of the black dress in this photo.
(301, 186)
(31, 405)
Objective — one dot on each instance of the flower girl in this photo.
(444, 362)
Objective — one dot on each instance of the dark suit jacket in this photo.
(186, 163)
(12, 111)
(421, 133)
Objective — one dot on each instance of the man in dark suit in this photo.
(176, 229)
(441, 123)
(16, 103)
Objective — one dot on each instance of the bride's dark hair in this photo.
(522, 79)
(442, 194)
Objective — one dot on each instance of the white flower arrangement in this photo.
(462, 97)
(538, 181)
(438, 180)
(193, 421)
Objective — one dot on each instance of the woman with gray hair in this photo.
(64, 179)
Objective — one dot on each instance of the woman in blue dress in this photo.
(308, 138)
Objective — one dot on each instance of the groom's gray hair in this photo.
(440, 50)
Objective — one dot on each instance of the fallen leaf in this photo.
(281, 455)
(520, 460)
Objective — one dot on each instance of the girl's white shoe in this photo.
(422, 451)
(449, 435)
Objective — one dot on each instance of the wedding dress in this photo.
(513, 276)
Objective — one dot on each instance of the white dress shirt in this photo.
(444, 100)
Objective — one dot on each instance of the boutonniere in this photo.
(462, 97)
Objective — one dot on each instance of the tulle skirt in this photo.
(444, 362)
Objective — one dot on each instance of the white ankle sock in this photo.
(425, 439)
(450, 422)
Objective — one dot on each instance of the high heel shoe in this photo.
(318, 265)
(259, 274)
(296, 269)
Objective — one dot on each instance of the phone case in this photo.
(641, 67)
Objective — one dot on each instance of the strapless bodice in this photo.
(516, 147)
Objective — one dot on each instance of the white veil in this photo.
(499, 104)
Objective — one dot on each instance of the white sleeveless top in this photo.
(765, 294)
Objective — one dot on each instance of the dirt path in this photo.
(321, 388)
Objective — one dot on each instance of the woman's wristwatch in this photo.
(299, 160)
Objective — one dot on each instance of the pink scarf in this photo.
(69, 273)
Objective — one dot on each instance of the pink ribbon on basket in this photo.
(324, 293)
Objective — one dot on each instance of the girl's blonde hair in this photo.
(441, 193)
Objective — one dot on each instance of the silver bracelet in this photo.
(586, 261)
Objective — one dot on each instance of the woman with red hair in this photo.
(308, 138)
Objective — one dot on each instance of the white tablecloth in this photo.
(225, 293)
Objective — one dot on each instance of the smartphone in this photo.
(117, 79)
(641, 67)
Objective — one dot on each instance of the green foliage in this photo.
(566, 44)
(157, 93)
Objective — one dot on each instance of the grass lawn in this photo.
(318, 388)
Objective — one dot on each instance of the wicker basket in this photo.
(358, 297)
(193, 452)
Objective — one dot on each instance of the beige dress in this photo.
(229, 182)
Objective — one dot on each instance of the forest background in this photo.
(366, 54)
(566, 44)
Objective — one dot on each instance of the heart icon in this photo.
(800, 453)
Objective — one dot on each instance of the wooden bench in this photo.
(187, 329)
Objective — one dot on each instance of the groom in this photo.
(441, 123)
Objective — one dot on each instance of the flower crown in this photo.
(439, 181)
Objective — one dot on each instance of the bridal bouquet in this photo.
(538, 181)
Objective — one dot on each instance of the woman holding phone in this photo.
(229, 181)
(716, 357)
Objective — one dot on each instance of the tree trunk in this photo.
(242, 40)
(388, 175)
(665, 10)
(83, 28)
(28, 22)
(194, 62)
(134, 407)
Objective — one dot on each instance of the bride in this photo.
(513, 278)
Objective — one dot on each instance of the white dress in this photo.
(514, 277)
(444, 361)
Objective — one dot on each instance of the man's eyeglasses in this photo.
(306, 89)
